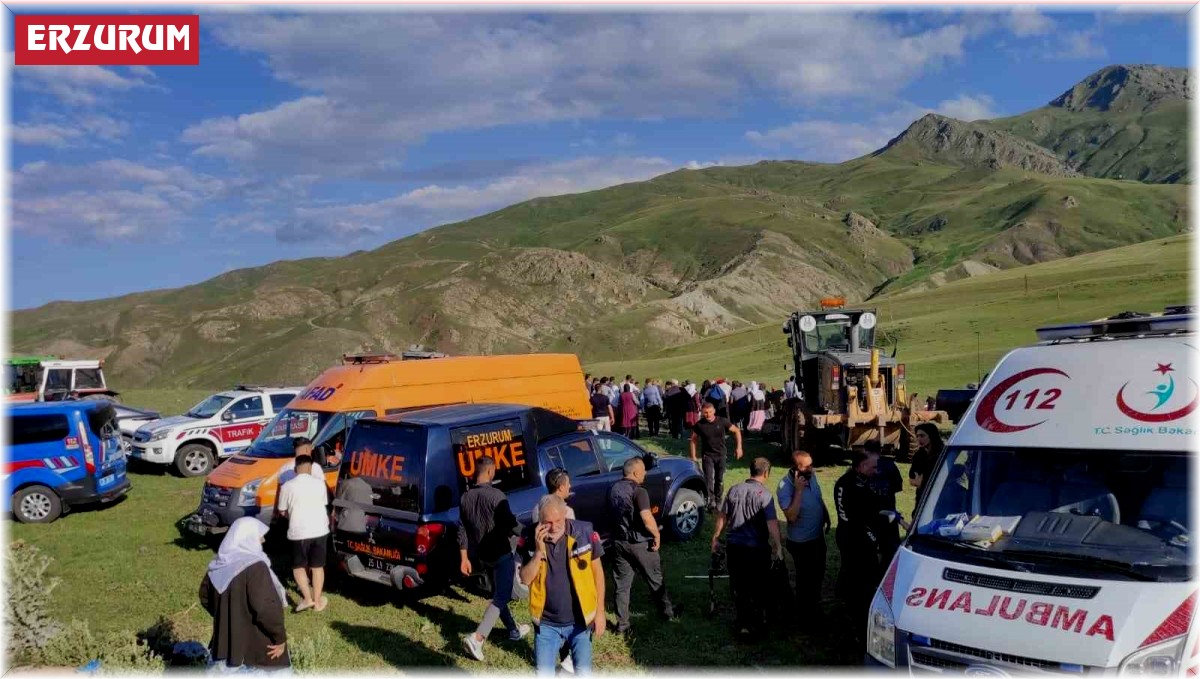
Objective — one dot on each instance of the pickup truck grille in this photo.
(141, 436)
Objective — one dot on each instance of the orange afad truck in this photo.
(376, 385)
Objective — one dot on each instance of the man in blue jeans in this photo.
(560, 562)
(487, 527)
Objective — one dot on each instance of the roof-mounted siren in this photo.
(368, 357)
(833, 302)
(1175, 320)
(249, 387)
(419, 355)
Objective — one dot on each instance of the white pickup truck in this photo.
(217, 427)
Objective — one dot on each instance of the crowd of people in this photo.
(621, 407)
(560, 559)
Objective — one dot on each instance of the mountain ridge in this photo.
(632, 268)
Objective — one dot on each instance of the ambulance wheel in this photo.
(36, 504)
(687, 515)
(194, 459)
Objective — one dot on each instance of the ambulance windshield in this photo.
(1099, 512)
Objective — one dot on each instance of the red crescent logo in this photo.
(985, 415)
(1154, 417)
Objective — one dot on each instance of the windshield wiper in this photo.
(1098, 563)
(975, 550)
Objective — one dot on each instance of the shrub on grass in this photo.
(36, 637)
(313, 653)
(117, 652)
(27, 606)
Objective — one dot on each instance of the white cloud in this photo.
(376, 83)
(58, 131)
(43, 135)
(967, 107)
(834, 141)
(823, 140)
(106, 201)
(442, 203)
(1079, 45)
(76, 85)
(1027, 21)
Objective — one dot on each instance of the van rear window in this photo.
(390, 458)
(102, 420)
(502, 441)
(27, 429)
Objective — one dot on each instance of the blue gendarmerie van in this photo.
(60, 455)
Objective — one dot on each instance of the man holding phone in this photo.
(807, 522)
(635, 542)
(560, 563)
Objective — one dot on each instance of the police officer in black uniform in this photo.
(858, 508)
(635, 543)
(887, 484)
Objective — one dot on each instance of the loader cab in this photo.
(823, 345)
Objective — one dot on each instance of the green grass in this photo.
(937, 328)
(125, 565)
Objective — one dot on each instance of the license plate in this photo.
(106, 481)
(379, 565)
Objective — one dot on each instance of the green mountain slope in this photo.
(629, 269)
(1122, 122)
(936, 329)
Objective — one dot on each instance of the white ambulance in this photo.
(1055, 534)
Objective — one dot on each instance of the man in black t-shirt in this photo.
(487, 530)
(635, 542)
(602, 409)
(710, 432)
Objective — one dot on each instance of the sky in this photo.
(313, 134)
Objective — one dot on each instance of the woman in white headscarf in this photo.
(758, 407)
(246, 602)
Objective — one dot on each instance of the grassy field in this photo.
(124, 566)
(939, 330)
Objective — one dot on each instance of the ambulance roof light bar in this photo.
(1175, 320)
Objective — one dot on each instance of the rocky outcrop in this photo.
(1127, 88)
(946, 139)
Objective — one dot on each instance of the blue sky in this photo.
(317, 134)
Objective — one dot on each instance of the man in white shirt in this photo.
(300, 446)
(304, 500)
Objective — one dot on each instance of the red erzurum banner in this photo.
(107, 40)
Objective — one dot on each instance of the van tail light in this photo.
(836, 376)
(427, 537)
(900, 372)
(89, 456)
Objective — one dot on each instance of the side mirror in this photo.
(227, 416)
(651, 461)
